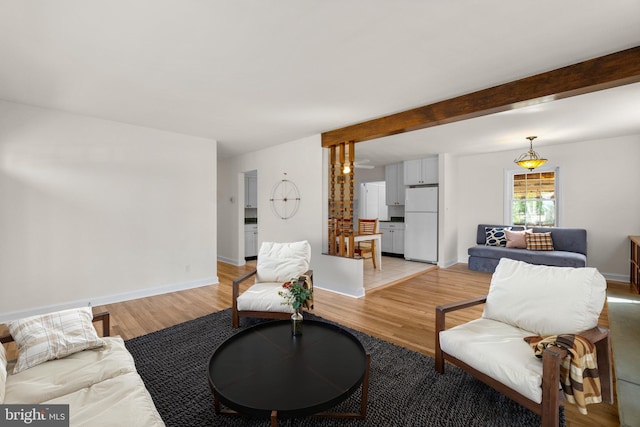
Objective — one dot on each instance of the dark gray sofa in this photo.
(570, 246)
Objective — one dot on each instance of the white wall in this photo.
(301, 160)
(448, 212)
(600, 188)
(93, 211)
(304, 162)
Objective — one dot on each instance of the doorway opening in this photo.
(251, 215)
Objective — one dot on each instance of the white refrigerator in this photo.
(421, 224)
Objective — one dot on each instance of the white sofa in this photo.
(100, 385)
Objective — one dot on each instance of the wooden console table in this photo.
(634, 276)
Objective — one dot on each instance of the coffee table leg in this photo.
(216, 403)
(274, 418)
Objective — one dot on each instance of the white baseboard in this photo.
(109, 299)
(447, 264)
(319, 286)
(616, 277)
(231, 261)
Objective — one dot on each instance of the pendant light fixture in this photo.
(530, 160)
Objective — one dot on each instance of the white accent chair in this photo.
(526, 300)
(277, 263)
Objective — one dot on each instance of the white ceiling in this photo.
(255, 73)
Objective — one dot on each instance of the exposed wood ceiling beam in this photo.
(605, 72)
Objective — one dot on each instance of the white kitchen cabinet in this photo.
(394, 178)
(250, 240)
(397, 246)
(421, 171)
(392, 237)
(250, 191)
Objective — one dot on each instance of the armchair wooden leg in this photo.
(603, 350)
(235, 292)
(439, 327)
(235, 317)
(551, 359)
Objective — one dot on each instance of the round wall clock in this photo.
(285, 199)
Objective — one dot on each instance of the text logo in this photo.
(34, 415)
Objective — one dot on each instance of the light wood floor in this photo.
(403, 313)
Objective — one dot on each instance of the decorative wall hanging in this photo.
(285, 199)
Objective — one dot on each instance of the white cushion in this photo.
(101, 386)
(264, 297)
(545, 300)
(499, 351)
(118, 401)
(3, 372)
(60, 377)
(280, 262)
(53, 336)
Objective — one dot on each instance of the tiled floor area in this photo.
(393, 270)
(624, 324)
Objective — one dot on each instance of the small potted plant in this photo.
(297, 293)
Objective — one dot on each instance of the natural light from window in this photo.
(533, 198)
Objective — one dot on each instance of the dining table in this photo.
(374, 237)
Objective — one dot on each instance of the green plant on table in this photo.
(296, 293)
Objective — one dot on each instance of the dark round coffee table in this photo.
(264, 371)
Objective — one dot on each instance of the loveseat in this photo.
(100, 385)
(569, 249)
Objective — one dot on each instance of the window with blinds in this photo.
(533, 198)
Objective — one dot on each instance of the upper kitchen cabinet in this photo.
(250, 191)
(421, 171)
(393, 175)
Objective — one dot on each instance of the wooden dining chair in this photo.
(367, 226)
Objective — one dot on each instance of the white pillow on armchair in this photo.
(280, 262)
(545, 300)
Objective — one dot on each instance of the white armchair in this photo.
(526, 300)
(277, 263)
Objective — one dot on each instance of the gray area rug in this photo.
(404, 389)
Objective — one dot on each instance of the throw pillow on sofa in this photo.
(516, 239)
(53, 336)
(539, 241)
(495, 236)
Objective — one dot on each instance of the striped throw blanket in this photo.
(578, 371)
(308, 285)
